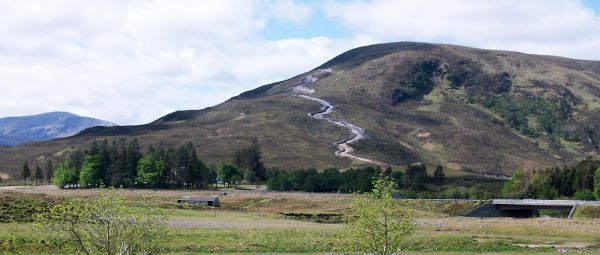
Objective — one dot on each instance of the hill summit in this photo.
(470, 110)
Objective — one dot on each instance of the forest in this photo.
(121, 163)
(581, 181)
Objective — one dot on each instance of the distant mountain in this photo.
(45, 126)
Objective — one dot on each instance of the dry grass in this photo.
(248, 223)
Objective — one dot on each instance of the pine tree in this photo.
(37, 174)
(49, 171)
(25, 172)
(255, 160)
(597, 184)
(439, 176)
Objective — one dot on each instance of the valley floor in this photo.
(248, 223)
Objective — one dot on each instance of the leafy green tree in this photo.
(584, 194)
(65, 176)
(376, 224)
(228, 172)
(249, 176)
(541, 186)
(37, 174)
(25, 172)
(150, 171)
(597, 184)
(250, 159)
(517, 186)
(90, 172)
(105, 225)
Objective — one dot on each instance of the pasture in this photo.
(248, 222)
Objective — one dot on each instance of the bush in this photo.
(585, 194)
(21, 208)
(419, 82)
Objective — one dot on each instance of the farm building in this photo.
(205, 201)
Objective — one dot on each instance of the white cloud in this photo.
(292, 11)
(560, 27)
(133, 61)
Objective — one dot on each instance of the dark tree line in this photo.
(581, 181)
(330, 180)
(352, 180)
(120, 163)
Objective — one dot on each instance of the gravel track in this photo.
(358, 133)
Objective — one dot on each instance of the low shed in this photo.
(205, 201)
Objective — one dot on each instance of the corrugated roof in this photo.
(196, 198)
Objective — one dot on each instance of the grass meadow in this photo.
(248, 222)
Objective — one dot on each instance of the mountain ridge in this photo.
(471, 110)
(15, 130)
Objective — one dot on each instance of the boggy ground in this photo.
(248, 223)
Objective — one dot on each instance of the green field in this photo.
(248, 223)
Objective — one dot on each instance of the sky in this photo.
(131, 62)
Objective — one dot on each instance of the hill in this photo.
(45, 126)
(471, 110)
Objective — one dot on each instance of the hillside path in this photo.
(358, 133)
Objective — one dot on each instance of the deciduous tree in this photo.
(228, 172)
(517, 186)
(150, 171)
(376, 224)
(65, 176)
(90, 172)
(105, 225)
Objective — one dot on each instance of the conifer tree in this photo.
(439, 176)
(37, 174)
(49, 171)
(25, 172)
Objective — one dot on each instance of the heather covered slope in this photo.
(471, 110)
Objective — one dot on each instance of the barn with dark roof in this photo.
(202, 201)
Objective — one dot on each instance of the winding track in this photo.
(358, 133)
